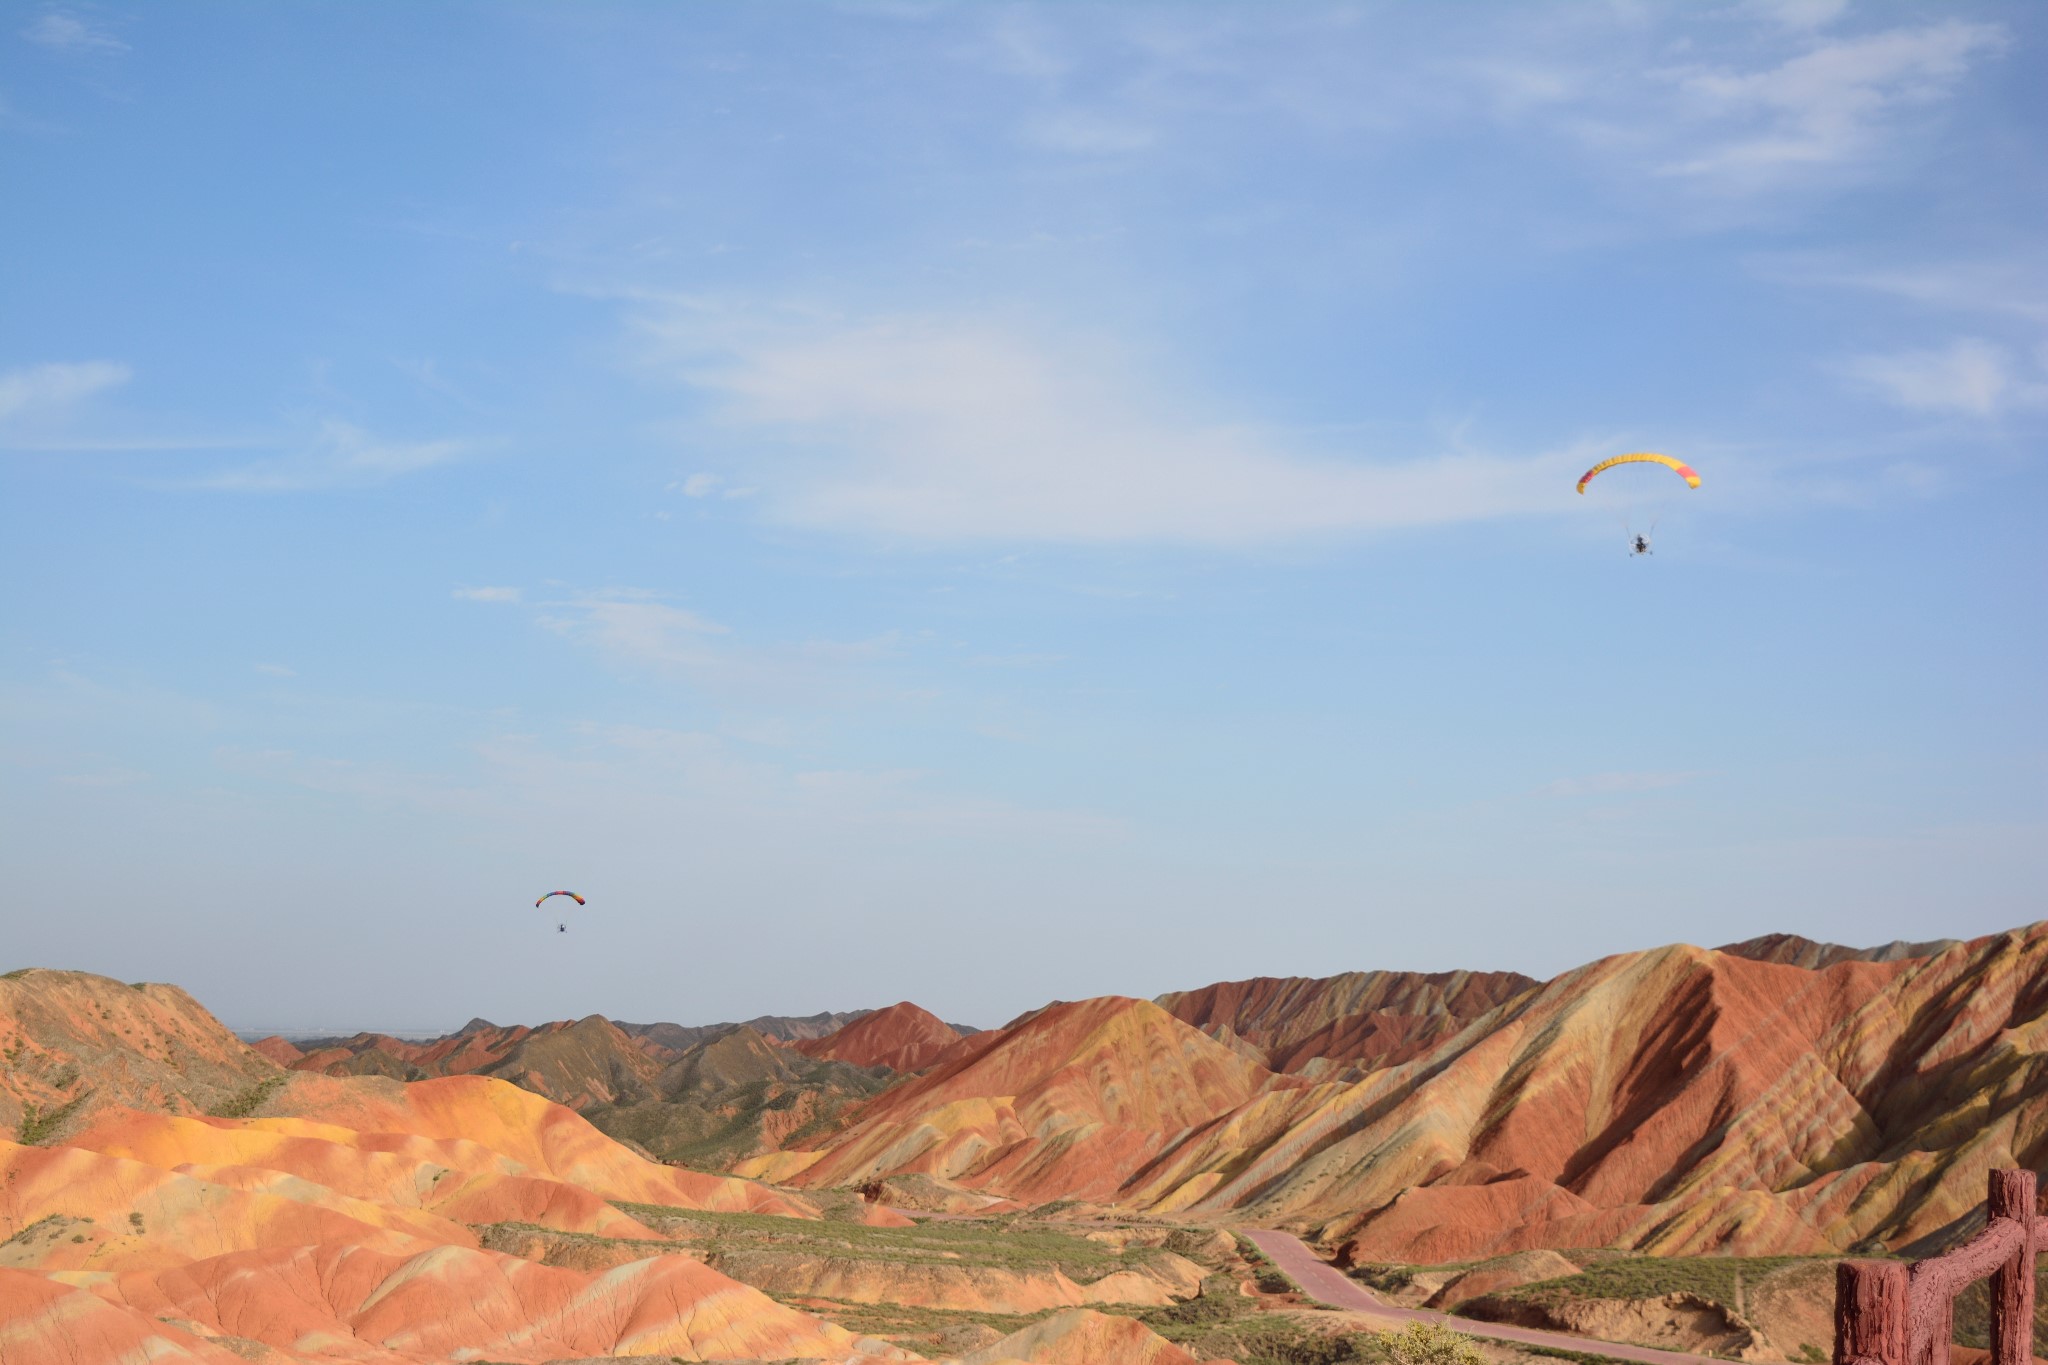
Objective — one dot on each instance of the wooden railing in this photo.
(1887, 1313)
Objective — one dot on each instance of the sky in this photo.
(986, 503)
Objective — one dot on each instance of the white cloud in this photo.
(69, 33)
(488, 594)
(951, 429)
(1969, 375)
(1828, 107)
(699, 485)
(39, 388)
(340, 456)
(1614, 784)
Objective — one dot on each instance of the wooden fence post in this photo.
(1870, 1312)
(2012, 1284)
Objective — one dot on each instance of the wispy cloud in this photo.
(487, 594)
(341, 455)
(111, 777)
(2011, 285)
(1616, 784)
(1827, 107)
(1971, 376)
(1077, 131)
(946, 428)
(1798, 14)
(277, 671)
(41, 388)
(644, 633)
(62, 31)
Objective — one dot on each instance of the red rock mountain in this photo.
(1371, 1018)
(1680, 1101)
(901, 1037)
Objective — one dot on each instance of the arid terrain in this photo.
(1667, 1148)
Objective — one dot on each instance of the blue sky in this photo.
(987, 503)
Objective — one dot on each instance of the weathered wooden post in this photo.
(1870, 1312)
(2012, 1284)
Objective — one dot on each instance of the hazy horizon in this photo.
(984, 505)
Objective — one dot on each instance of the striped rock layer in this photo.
(1679, 1101)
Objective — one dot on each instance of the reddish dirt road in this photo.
(1327, 1285)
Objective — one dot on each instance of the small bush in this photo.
(37, 1124)
(1271, 1281)
(248, 1101)
(1429, 1343)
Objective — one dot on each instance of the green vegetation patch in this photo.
(1973, 1312)
(1579, 1357)
(1651, 1277)
(1004, 1242)
(38, 1123)
(248, 1101)
(1256, 1338)
(1270, 1278)
(898, 1320)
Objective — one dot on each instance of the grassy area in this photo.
(1973, 1312)
(899, 1320)
(1004, 1242)
(1271, 1278)
(1578, 1357)
(1280, 1339)
(1650, 1277)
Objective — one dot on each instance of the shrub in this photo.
(248, 1101)
(1429, 1343)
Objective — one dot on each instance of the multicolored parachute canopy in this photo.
(1683, 470)
(570, 894)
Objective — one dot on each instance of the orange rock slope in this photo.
(342, 1218)
(901, 1037)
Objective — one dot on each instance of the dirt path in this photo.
(1328, 1285)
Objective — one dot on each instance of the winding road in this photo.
(1328, 1285)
